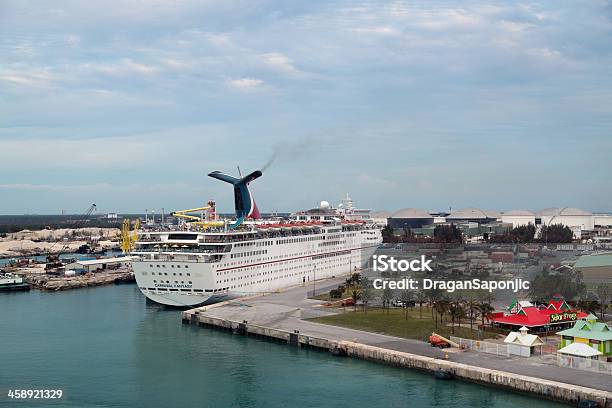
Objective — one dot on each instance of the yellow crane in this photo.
(129, 238)
(207, 222)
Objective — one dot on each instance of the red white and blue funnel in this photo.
(243, 200)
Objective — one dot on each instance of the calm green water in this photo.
(104, 347)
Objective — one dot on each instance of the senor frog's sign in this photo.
(563, 317)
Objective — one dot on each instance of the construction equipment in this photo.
(440, 341)
(207, 218)
(78, 224)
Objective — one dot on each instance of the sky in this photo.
(429, 104)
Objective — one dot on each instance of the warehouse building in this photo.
(381, 217)
(473, 215)
(518, 218)
(93, 265)
(410, 218)
(596, 268)
(576, 219)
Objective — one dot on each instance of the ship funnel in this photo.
(243, 200)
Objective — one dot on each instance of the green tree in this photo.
(471, 309)
(569, 284)
(421, 297)
(406, 297)
(355, 294)
(388, 235)
(441, 308)
(456, 312)
(449, 234)
(366, 293)
(387, 296)
(557, 233)
(484, 309)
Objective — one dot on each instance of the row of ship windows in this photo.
(186, 290)
(176, 282)
(163, 266)
(240, 270)
(276, 278)
(303, 239)
(294, 240)
(251, 253)
(331, 243)
(271, 258)
(173, 273)
(258, 243)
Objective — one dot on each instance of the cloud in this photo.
(31, 78)
(246, 84)
(280, 63)
(125, 66)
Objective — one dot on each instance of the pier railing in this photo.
(482, 346)
(584, 363)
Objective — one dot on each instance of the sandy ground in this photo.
(64, 240)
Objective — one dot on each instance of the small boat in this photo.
(12, 282)
(441, 374)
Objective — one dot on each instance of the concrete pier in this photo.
(279, 318)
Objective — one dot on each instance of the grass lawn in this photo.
(393, 323)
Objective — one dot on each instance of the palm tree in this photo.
(456, 312)
(366, 294)
(441, 307)
(421, 298)
(484, 308)
(386, 298)
(433, 295)
(471, 306)
(355, 296)
(406, 297)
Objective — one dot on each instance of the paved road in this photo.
(286, 310)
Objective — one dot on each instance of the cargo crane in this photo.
(53, 261)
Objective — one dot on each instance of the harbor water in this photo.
(106, 347)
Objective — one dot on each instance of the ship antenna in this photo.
(239, 172)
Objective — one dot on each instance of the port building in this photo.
(588, 331)
(521, 343)
(473, 215)
(93, 265)
(596, 268)
(410, 218)
(576, 219)
(381, 217)
(558, 314)
(518, 218)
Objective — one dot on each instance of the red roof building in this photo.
(558, 314)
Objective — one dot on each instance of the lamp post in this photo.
(314, 280)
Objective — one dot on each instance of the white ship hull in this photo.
(252, 267)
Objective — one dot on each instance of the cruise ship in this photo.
(205, 259)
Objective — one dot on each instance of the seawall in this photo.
(553, 390)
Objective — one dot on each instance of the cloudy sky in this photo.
(427, 104)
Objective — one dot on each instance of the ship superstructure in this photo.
(205, 259)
